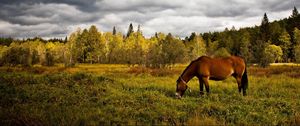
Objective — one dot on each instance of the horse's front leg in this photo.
(201, 86)
(205, 80)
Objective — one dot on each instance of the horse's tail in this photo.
(245, 80)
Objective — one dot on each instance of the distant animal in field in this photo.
(206, 68)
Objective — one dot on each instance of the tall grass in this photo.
(117, 94)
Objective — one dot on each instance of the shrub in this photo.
(17, 55)
(273, 53)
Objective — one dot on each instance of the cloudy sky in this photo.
(58, 18)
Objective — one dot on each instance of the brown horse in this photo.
(206, 68)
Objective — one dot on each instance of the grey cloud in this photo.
(85, 5)
(278, 5)
(42, 30)
(44, 13)
(29, 18)
(142, 6)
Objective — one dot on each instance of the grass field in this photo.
(118, 94)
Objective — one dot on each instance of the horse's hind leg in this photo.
(239, 82)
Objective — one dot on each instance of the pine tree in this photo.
(295, 13)
(139, 29)
(275, 31)
(130, 30)
(262, 43)
(233, 29)
(114, 31)
(192, 36)
(265, 29)
(66, 39)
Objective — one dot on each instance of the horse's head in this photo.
(180, 87)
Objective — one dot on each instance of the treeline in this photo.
(92, 46)
(278, 41)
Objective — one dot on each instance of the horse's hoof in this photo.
(201, 93)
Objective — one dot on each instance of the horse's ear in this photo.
(177, 81)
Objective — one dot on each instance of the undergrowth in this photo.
(130, 97)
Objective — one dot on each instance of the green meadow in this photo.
(119, 94)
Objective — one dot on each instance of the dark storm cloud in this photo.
(31, 14)
(44, 18)
(138, 5)
(57, 18)
(279, 5)
(86, 5)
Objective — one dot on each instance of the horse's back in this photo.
(220, 67)
(237, 60)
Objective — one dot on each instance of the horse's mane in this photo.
(193, 63)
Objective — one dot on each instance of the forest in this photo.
(271, 42)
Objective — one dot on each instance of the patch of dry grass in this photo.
(101, 94)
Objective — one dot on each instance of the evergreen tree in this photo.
(233, 29)
(262, 42)
(295, 13)
(226, 40)
(66, 39)
(139, 29)
(130, 30)
(114, 31)
(192, 36)
(6, 41)
(265, 29)
(235, 42)
(292, 23)
(275, 31)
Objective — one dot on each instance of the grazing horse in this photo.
(206, 68)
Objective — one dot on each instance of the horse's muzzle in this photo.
(177, 95)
